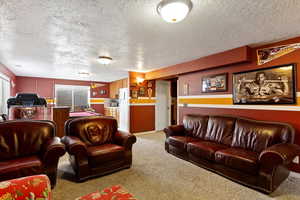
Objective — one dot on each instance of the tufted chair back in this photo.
(24, 138)
(92, 131)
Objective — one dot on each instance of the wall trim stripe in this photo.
(142, 104)
(252, 107)
(143, 98)
(97, 100)
(214, 96)
(206, 101)
(142, 101)
(226, 101)
(206, 96)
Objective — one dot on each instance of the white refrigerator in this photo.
(124, 109)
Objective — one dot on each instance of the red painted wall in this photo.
(44, 87)
(194, 81)
(11, 75)
(142, 118)
(233, 56)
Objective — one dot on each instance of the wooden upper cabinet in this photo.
(115, 86)
(125, 83)
(112, 90)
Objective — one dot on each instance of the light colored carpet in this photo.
(157, 175)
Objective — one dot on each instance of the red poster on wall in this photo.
(268, 54)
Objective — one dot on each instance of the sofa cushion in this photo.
(195, 125)
(20, 167)
(220, 129)
(181, 141)
(105, 153)
(255, 135)
(238, 158)
(205, 149)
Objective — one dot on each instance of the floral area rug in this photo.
(116, 192)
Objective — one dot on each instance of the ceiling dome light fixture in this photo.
(105, 60)
(174, 11)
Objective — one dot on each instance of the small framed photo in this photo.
(102, 92)
(134, 94)
(272, 85)
(186, 89)
(215, 83)
(142, 91)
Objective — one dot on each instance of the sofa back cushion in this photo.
(258, 135)
(195, 125)
(220, 129)
(92, 130)
(24, 137)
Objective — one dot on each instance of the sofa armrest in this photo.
(74, 145)
(174, 130)
(279, 154)
(124, 139)
(52, 151)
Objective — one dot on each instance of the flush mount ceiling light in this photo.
(105, 60)
(174, 11)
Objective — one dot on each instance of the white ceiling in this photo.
(59, 38)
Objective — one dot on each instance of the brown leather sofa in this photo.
(29, 148)
(253, 153)
(96, 147)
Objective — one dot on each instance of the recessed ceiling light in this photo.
(174, 11)
(18, 66)
(105, 60)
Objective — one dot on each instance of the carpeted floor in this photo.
(157, 175)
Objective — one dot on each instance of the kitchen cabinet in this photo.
(115, 86)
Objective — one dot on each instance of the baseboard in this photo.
(294, 174)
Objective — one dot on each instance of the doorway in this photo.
(166, 110)
(174, 106)
(162, 106)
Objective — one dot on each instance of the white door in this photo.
(163, 102)
(124, 109)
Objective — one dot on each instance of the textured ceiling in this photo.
(60, 38)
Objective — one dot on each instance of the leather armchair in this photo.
(29, 147)
(96, 147)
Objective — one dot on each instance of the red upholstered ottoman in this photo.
(27, 188)
(115, 192)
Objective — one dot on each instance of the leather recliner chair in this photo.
(96, 147)
(29, 147)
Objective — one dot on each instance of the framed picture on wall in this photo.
(273, 85)
(102, 92)
(215, 83)
(142, 91)
(134, 94)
